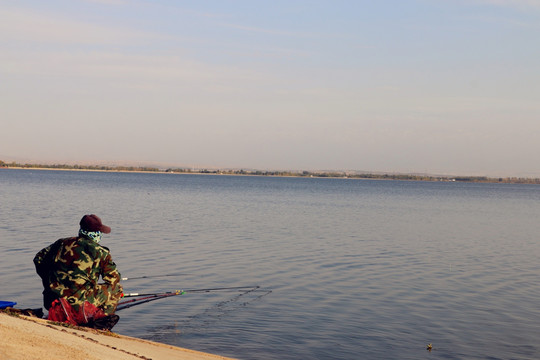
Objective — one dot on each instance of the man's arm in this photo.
(109, 272)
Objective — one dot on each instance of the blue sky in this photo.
(436, 86)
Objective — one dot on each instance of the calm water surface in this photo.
(348, 269)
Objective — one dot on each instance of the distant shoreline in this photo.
(305, 174)
(74, 169)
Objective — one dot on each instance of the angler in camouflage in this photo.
(70, 269)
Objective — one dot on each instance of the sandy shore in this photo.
(30, 338)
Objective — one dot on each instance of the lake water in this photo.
(347, 269)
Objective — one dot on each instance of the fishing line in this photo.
(204, 319)
(217, 312)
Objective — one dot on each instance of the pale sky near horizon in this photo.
(435, 86)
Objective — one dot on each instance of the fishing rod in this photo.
(141, 300)
(195, 290)
(144, 298)
(150, 276)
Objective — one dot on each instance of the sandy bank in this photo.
(29, 338)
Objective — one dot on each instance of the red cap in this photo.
(93, 223)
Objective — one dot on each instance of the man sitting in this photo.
(70, 269)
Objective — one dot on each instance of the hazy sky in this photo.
(437, 86)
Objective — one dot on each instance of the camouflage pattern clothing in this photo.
(70, 268)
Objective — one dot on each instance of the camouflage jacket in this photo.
(71, 268)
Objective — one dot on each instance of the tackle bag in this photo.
(88, 315)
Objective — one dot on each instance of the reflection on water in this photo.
(356, 269)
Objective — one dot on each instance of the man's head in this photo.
(92, 223)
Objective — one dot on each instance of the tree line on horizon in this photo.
(320, 174)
